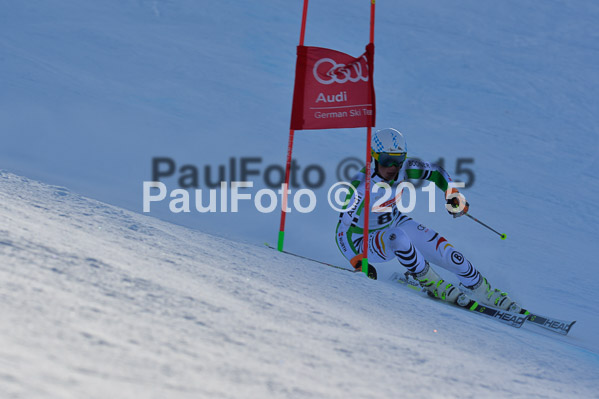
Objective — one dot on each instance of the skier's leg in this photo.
(383, 246)
(394, 243)
(394, 240)
(439, 251)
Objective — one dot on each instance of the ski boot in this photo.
(435, 286)
(484, 294)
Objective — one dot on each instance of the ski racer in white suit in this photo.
(395, 236)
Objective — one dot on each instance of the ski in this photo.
(549, 323)
(511, 319)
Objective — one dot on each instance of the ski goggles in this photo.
(387, 159)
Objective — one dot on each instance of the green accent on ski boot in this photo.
(447, 287)
(500, 296)
(426, 282)
(474, 305)
(435, 291)
(444, 294)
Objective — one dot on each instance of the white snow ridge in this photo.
(100, 302)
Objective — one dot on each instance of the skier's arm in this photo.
(352, 209)
(416, 169)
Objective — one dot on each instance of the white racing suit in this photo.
(393, 235)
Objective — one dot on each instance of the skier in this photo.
(393, 235)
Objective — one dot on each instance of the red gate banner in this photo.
(333, 89)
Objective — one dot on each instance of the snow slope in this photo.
(98, 302)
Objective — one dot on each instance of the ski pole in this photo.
(503, 236)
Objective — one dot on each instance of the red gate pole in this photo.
(368, 156)
(290, 148)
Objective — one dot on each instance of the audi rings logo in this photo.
(340, 73)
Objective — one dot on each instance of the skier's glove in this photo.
(456, 203)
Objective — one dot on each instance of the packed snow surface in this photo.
(98, 302)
